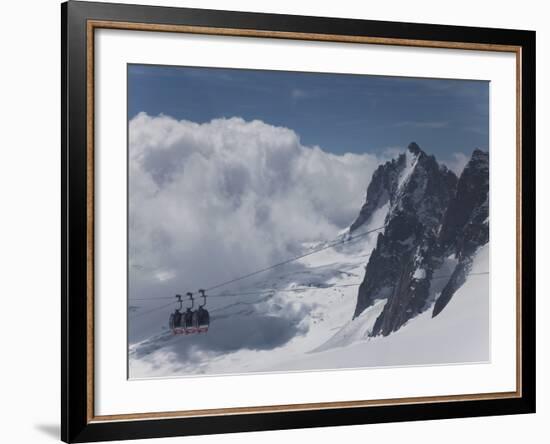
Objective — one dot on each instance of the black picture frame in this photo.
(77, 425)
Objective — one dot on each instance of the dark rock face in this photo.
(464, 227)
(431, 215)
(466, 224)
(381, 188)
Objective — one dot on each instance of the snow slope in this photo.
(298, 321)
(459, 334)
(312, 328)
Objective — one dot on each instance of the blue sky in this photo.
(339, 112)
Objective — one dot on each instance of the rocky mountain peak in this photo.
(403, 183)
(465, 225)
(414, 148)
(430, 213)
(479, 155)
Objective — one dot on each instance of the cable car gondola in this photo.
(175, 318)
(191, 321)
(181, 323)
(201, 317)
(188, 317)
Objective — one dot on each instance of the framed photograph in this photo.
(276, 221)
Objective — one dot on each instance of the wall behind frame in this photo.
(29, 227)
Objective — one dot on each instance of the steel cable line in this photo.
(277, 290)
(468, 274)
(247, 293)
(289, 290)
(267, 292)
(151, 311)
(330, 245)
(261, 292)
(270, 293)
(351, 239)
(151, 298)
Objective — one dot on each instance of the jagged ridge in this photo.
(432, 215)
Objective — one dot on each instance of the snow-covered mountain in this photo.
(433, 219)
(417, 191)
(398, 295)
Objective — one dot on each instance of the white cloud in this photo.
(457, 162)
(211, 201)
(392, 152)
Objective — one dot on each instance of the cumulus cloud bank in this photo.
(457, 162)
(208, 202)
